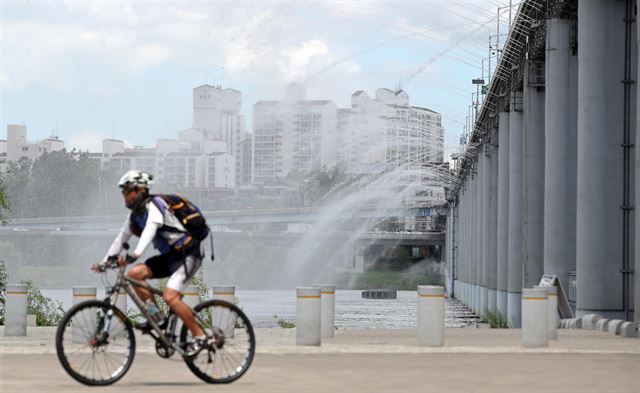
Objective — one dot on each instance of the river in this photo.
(352, 312)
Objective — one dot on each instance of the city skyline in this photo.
(120, 70)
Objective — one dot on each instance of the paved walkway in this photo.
(472, 360)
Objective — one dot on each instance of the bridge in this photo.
(231, 217)
(545, 183)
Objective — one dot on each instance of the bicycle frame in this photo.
(128, 284)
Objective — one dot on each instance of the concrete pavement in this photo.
(472, 360)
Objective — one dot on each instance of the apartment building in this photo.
(292, 134)
(387, 131)
(17, 145)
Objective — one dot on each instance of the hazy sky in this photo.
(126, 69)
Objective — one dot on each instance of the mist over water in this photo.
(255, 257)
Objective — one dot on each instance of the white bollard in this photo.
(226, 293)
(589, 321)
(535, 316)
(308, 319)
(15, 313)
(431, 315)
(552, 304)
(121, 302)
(81, 294)
(614, 326)
(629, 329)
(190, 297)
(327, 310)
(602, 325)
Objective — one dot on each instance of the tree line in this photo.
(57, 184)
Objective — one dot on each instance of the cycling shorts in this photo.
(172, 265)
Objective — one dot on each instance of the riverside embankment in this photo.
(472, 360)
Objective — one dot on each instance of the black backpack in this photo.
(189, 215)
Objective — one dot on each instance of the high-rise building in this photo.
(292, 134)
(245, 160)
(387, 132)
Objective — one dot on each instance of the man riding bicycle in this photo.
(180, 257)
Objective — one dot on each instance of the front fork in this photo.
(101, 336)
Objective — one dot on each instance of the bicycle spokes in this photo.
(230, 343)
(94, 344)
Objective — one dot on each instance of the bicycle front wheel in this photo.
(95, 343)
(230, 351)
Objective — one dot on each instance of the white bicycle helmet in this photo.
(135, 179)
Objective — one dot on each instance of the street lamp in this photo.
(478, 82)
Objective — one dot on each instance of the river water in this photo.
(352, 312)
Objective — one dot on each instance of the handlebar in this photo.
(112, 260)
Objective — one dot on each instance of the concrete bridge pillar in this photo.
(484, 233)
(601, 173)
(636, 274)
(492, 242)
(460, 260)
(503, 213)
(470, 249)
(473, 229)
(467, 239)
(477, 303)
(514, 284)
(533, 178)
(561, 159)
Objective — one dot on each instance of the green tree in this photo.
(3, 289)
(4, 203)
(56, 184)
(15, 181)
(48, 312)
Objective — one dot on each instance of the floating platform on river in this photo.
(380, 294)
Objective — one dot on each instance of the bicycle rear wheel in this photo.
(95, 343)
(231, 351)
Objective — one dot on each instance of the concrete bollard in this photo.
(575, 323)
(614, 326)
(431, 315)
(552, 305)
(602, 325)
(121, 302)
(327, 310)
(629, 329)
(81, 294)
(224, 292)
(535, 315)
(308, 318)
(15, 313)
(228, 294)
(589, 321)
(190, 297)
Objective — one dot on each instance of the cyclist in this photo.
(179, 257)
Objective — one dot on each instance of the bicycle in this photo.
(95, 340)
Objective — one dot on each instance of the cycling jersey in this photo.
(164, 230)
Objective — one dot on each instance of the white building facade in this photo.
(17, 146)
(292, 134)
(386, 131)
